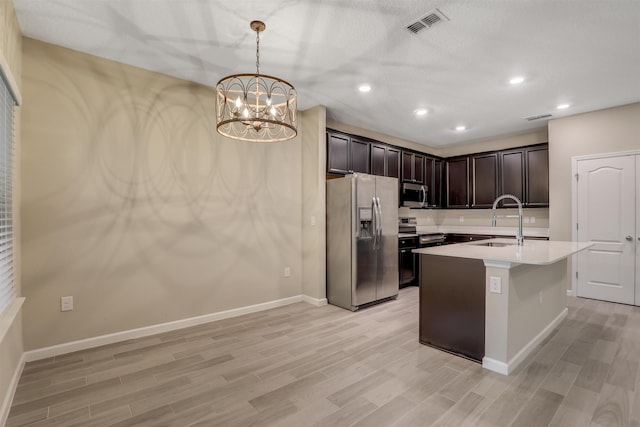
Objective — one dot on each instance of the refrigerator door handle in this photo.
(374, 225)
(379, 222)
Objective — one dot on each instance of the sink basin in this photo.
(494, 244)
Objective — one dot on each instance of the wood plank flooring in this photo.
(301, 365)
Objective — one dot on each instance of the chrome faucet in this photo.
(519, 236)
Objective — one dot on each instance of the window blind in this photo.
(7, 287)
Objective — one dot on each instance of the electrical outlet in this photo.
(533, 220)
(287, 272)
(66, 303)
(495, 285)
(526, 220)
(461, 218)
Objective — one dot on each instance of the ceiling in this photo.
(584, 53)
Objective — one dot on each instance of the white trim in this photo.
(495, 365)
(318, 302)
(571, 293)
(69, 347)
(11, 392)
(506, 368)
(506, 265)
(9, 316)
(13, 86)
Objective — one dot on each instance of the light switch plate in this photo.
(66, 303)
(495, 285)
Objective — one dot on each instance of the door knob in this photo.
(629, 238)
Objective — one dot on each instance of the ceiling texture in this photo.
(585, 53)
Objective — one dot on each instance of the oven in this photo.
(407, 260)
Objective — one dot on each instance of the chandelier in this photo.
(256, 107)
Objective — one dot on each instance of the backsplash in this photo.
(534, 217)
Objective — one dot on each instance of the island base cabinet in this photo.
(452, 305)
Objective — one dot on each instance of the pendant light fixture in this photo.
(256, 107)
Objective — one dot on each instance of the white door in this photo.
(637, 230)
(607, 217)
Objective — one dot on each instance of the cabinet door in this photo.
(407, 167)
(393, 162)
(512, 176)
(537, 188)
(436, 192)
(458, 182)
(418, 169)
(359, 156)
(378, 157)
(484, 180)
(337, 153)
(428, 179)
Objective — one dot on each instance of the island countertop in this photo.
(535, 252)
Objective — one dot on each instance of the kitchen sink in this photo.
(494, 244)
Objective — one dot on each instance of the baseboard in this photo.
(506, 368)
(11, 392)
(318, 302)
(570, 293)
(43, 353)
(495, 365)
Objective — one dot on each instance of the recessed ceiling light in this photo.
(460, 128)
(516, 80)
(420, 112)
(364, 88)
(563, 106)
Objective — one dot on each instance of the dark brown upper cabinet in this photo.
(457, 182)
(393, 162)
(512, 176)
(346, 154)
(436, 188)
(524, 172)
(412, 167)
(385, 160)
(484, 179)
(537, 176)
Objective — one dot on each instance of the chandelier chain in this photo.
(257, 52)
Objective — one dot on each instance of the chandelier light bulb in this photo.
(245, 112)
(238, 102)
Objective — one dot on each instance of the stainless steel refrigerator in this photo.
(362, 240)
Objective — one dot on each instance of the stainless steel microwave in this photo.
(414, 195)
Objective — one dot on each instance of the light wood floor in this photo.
(301, 365)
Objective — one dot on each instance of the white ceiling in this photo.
(582, 52)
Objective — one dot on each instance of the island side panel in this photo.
(538, 296)
(452, 304)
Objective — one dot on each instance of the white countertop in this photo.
(537, 252)
(491, 231)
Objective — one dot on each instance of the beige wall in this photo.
(605, 131)
(314, 165)
(11, 343)
(133, 203)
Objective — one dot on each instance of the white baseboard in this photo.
(318, 302)
(570, 293)
(495, 365)
(11, 392)
(84, 344)
(506, 368)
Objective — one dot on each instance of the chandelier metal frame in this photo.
(256, 107)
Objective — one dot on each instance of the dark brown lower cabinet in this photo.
(452, 305)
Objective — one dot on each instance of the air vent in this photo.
(427, 21)
(538, 117)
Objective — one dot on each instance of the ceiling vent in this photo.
(428, 21)
(538, 117)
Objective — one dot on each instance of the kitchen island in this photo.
(493, 301)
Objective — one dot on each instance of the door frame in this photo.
(574, 205)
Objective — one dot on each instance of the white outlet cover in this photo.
(495, 285)
(66, 303)
(287, 272)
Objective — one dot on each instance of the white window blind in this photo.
(7, 287)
